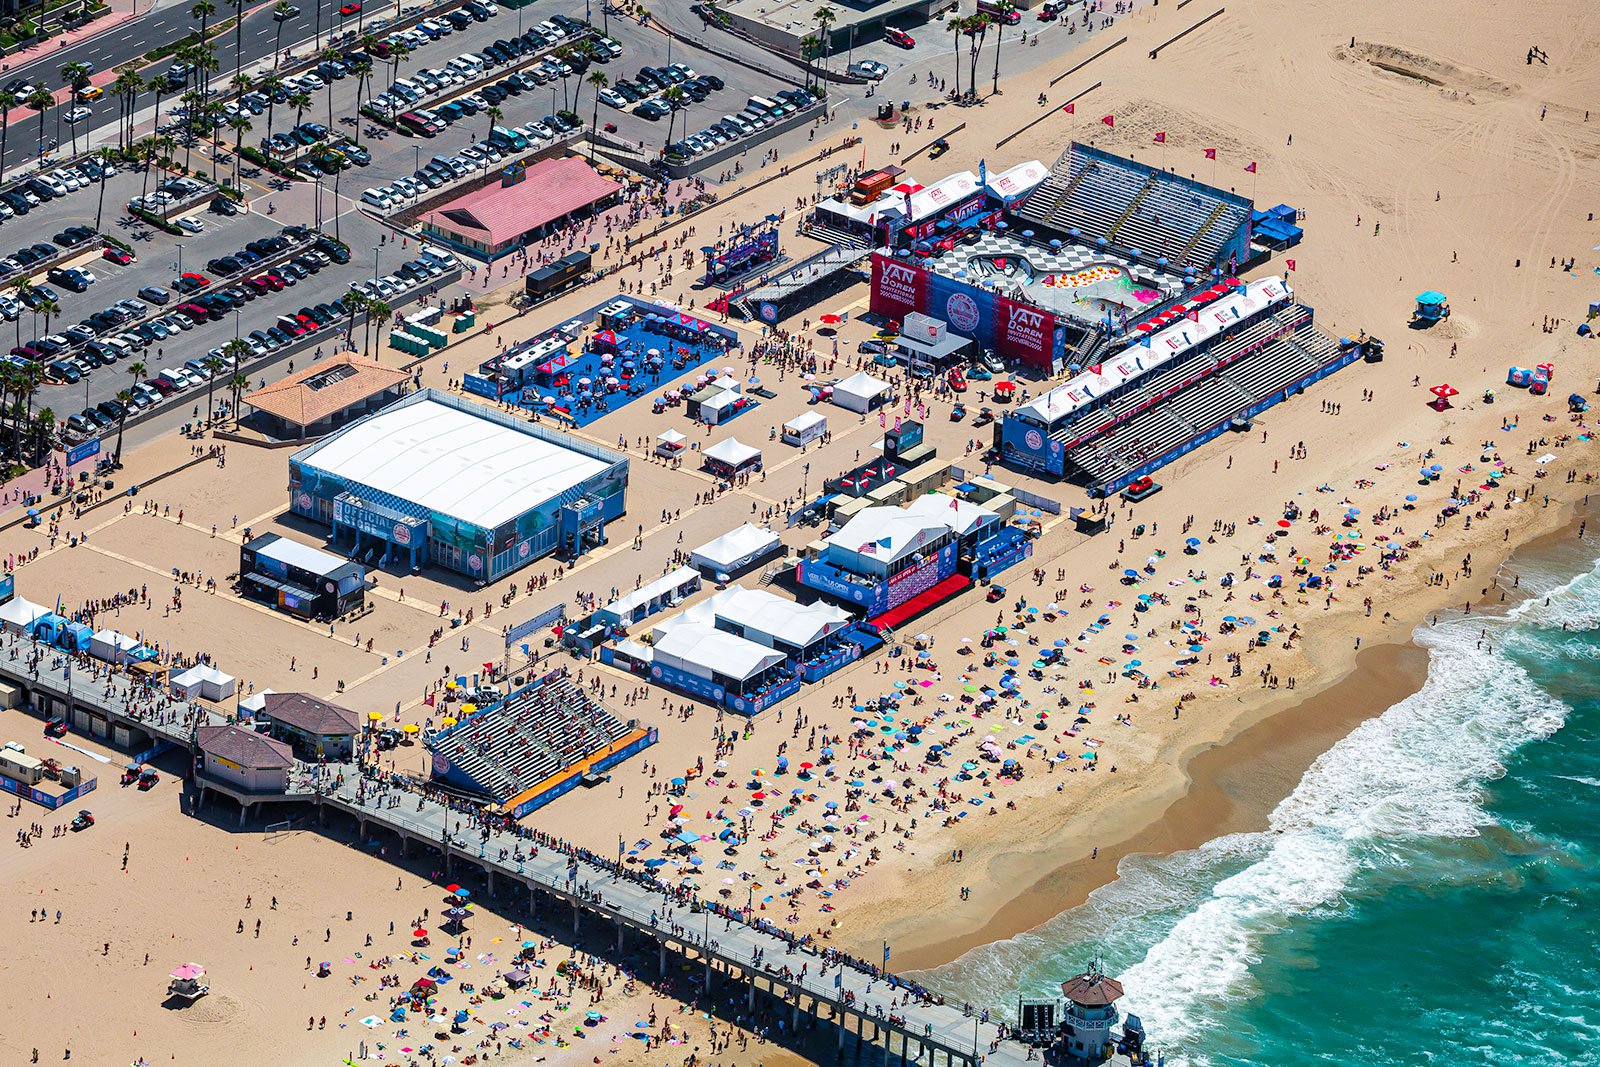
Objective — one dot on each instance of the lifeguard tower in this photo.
(1432, 306)
(188, 982)
(1088, 1018)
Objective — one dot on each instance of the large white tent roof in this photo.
(454, 462)
(888, 534)
(766, 613)
(861, 384)
(732, 452)
(739, 544)
(699, 649)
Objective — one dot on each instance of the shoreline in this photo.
(1228, 786)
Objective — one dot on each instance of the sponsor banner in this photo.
(1025, 333)
(898, 288)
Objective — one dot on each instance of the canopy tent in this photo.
(731, 457)
(18, 615)
(666, 591)
(805, 428)
(860, 392)
(763, 618)
(670, 443)
(256, 701)
(705, 651)
(203, 681)
(735, 550)
(113, 647)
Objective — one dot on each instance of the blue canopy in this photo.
(1431, 298)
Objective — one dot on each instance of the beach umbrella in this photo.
(452, 887)
(411, 728)
(1411, 498)
(1285, 523)
(463, 893)
(447, 721)
(374, 716)
(418, 932)
(1192, 541)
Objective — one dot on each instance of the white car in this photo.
(376, 199)
(612, 98)
(189, 224)
(79, 113)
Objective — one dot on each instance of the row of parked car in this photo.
(415, 90)
(168, 192)
(501, 144)
(26, 195)
(26, 260)
(642, 91)
(757, 114)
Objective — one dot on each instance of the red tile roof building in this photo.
(501, 218)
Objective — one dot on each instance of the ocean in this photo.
(1428, 893)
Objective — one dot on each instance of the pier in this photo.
(723, 940)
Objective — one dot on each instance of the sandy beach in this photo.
(1425, 154)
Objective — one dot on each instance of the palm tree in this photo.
(203, 12)
(1003, 10)
(363, 72)
(299, 101)
(599, 80)
(397, 55)
(104, 156)
(280, 12)
(23, 290)
(825, 16)
(674, 96)
(137, 370)
(74, 76)
(330, 55)
(44, 429)
(238, 383)
(126, 88)
(41, 100)
(977, 30)
(47, 308)
(240, 124)
(494, 115)
(238, 39)
(378, 313)
(7, 102)
(810, 49)
(953, 27)
(124, 398)
(270, 87)
(212, 365)
(354, 300)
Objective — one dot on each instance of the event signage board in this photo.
(897, 287)
(1025, 333)
(80, 452)
(823, 577)
(548, 617)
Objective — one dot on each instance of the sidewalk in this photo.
(109, 21)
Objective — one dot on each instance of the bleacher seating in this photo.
(1133, 208)
(531, 735)
(1216, 396)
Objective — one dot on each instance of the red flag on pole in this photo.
(1161, 138)
(1289, 263)
(1110, 120)
(1211, 153)
(1070, 108)
(1251, 169)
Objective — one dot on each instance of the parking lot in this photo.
(160, 260)
(395, 153)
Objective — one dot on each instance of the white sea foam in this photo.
(1413, 772)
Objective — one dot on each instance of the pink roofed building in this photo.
(498, 219)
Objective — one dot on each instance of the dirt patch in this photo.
(1449, 78)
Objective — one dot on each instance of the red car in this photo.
(350, 9)
(899, 37)
(118, 256)
(958, 381)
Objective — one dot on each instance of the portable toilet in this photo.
(1432, 306)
